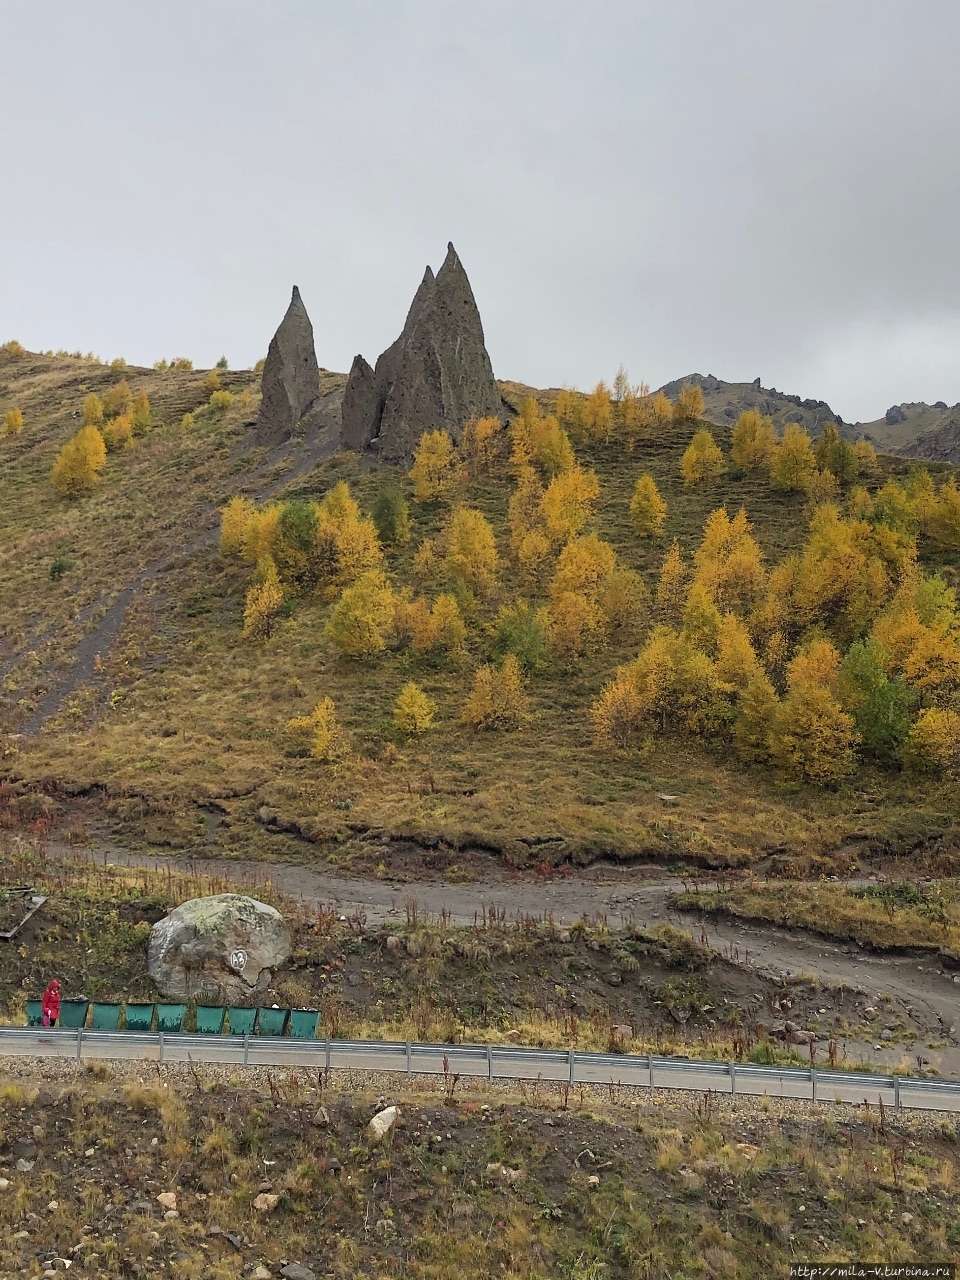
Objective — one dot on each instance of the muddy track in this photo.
(100, 640)
(620, 898)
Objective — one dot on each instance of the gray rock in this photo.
(361, 407)
(894, 415)
(291, 377)
(217, 949)
(436, 376)
(294, 1271)
(25, 1148)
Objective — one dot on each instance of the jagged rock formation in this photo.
(291, 377)
(725, 401)
(435, 376)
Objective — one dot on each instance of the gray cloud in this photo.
(746, 188)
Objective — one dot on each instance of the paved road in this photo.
(485, 1062)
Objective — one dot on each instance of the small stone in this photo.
(261, 1273)
(170, 1215)
(24, 1166)
(294, 1271)
(4, 1183)
(906, 1218)
(322, 1116)
(593, 1181)
(265, 1202)
(382, 1123)
(90, 1151)
(394, 943)
(168, 1199)
(53, 1206)
(22, 1235)
(886, 1034)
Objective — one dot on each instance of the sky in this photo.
(749, 188)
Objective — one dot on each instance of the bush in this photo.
(13, 422)
(413, 711)
(220, 400)
(933, 744)
(118, 400)
(521, 630)
(647, 508)
(92, 410)
(497, 699)
(79, 463)
(361, 620)
(391, 516)
(319, 734)
(702, 463)
(118, 432)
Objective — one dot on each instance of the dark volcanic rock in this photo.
(894, 415)
(291, 377)
(361, 406)
(435, 376)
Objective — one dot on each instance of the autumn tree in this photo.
(497, 699)
(319, 734)
(567, 504)
(479, 440)
(881, 705)
(471, 550)
(648, 510)
(812, 737)
(754, 441)
(793, 460)
(728, 562)
(13, 422)
(118, 432)
(737, 662)
(234, 519)
(672, 585)
(264, 602)
(757, 712)
(414, 710)
(702, 463)
(933, 743)
(836, 455)
(391, 516)
(522, 630)
(583, 565)
(140, 411)
(360, 622)
(539, 442)
(598, 412)
(118, 399)
(576, 625)
(92, 410)
(79, 463)
(570, 410)
(944, 520)
(689, 404)
(659, 410)
(434, 472)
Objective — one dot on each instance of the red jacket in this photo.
(50, 1004)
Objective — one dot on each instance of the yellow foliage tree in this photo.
(659, 410)
(793, 460)
(13, 422)
(689, 404)
(92, 410)
(672, 585)
(728, 562)
(576, 625)
(702, 462)
(701, 620)
(737, 661)
(220, 401)
(413, 711)
(118, 399)
(524, 509)
(264, 602)
(79, 463)
(479, 440)
(821, 487)
(471, 549)
(756, 716)
(118, 432)
(812, 736)
(260, 533)
(497, 699)
(754, 441)
(567, 505)
(933, 743)
(361, 620)
(320, 733)
(623, 598)
(570, 410)
(944, 522)
(141, 411)
(583, 565)
(435, 471)
(234, 519)
(532, 557)
(437, 628)
(648, 510)
(598, 412)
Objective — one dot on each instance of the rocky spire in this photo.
(291, 377)
(436, 375)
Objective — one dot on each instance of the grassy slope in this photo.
(525, 1190)
(185, 712)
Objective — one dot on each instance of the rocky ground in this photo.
(195, 1172)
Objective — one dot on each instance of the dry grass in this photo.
(182, 710)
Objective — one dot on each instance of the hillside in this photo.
(918, 431)
(723, 402)
(126, 675)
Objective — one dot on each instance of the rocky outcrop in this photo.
(217, 949)
(894, 415)
(725, 401)
(291, 376)
(436, 376)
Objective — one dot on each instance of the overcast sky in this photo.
(740, 187)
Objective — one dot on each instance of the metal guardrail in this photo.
(570, 1067)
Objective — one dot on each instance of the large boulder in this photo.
(291, 377)
(436, 376)
(219, 949)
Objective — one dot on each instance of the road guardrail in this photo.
(566, 1067)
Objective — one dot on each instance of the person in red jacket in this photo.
(50, 1005)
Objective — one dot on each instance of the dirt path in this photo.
(622, 897)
